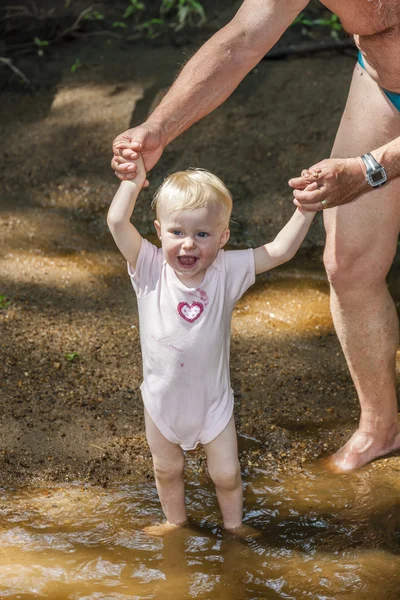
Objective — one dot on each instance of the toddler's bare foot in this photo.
(245, 532)
(360, 450)
(162, 529)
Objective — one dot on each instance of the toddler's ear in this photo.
(224, 238)
(157, 225)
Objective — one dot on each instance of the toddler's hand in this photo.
(139, 168)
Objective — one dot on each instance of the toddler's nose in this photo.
(188, 243)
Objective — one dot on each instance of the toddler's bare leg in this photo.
(168, 463)
(224, 469)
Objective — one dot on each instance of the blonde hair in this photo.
(191, 189)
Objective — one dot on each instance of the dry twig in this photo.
(13, 12)
(9, 63)
(73, 30)
(74, 26)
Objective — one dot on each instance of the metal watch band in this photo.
(375, 172)
(370, 162)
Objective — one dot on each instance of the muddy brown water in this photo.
(322, 537)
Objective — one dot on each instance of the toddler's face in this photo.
(190, 240)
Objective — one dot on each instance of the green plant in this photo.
(77, 65)
(94, 15)
(135, 6)
(72, 356)
(150, 28)
(187, 12)
(173, 13)
(41, 44)
(332, 23)
(119, 24)
(4, 302)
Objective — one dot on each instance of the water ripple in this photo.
(320, 537)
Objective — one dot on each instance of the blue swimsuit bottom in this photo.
(393, 96)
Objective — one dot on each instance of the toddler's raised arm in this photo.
(125, 235)
(286, 243)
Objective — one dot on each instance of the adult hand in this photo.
(145, 139)
(335, 181)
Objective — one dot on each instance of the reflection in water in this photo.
(323, 536)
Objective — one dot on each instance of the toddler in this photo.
(186, 292)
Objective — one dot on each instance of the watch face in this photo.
(377, 177)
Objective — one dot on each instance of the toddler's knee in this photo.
(228, 477)
(168, 472)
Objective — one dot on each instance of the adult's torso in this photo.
(375, 25)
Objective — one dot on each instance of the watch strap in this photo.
(372, 169)
(370, 162)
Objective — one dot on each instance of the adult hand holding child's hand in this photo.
(329, 183)
(144, 139)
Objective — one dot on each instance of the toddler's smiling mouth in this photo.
(187, 261)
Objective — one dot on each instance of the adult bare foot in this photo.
(361, 449)
(162, 529)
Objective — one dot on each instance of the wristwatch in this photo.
(376, 174)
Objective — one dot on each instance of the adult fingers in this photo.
(311, 173)
(122, 142)
(309, 197)
(315, 171)
(128, 144)
(318, 167)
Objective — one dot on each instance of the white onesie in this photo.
(185, 339)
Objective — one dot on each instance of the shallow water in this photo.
(322, 537)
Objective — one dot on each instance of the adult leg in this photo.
(360, 247)
(224, 469)
(168, 461)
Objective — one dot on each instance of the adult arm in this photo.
(286, 243)
(125, 235)
(339, 181)
(207, 80)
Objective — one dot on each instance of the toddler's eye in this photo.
(202, 234)
(176, 232)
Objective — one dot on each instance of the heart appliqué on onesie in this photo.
(190, 312)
